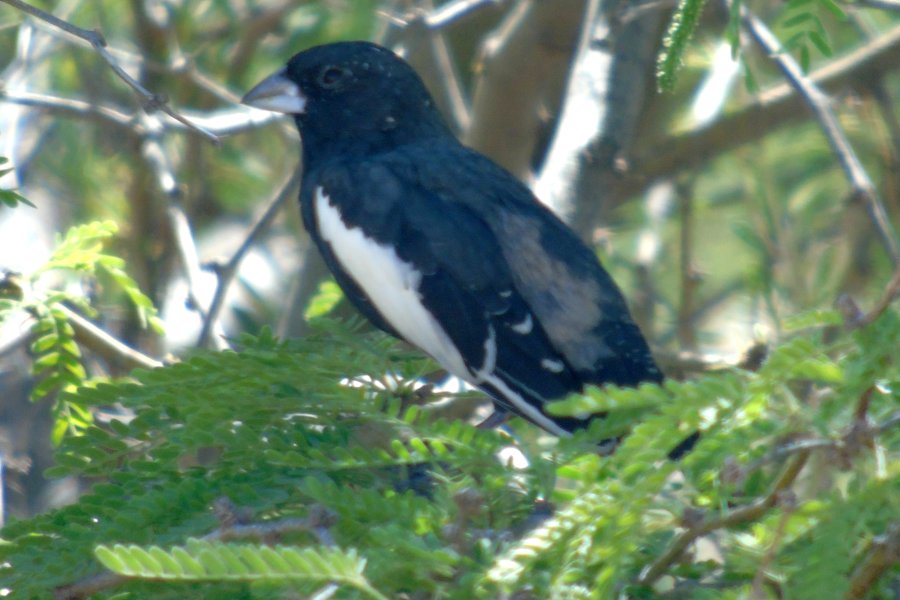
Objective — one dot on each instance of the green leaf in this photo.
(216, 561)
(821, 43)
(834, 8)
(799, 19)
(327, 296)
(814, 318)
(681, 28)
(189, 566)
(110, 559)
(167, 561)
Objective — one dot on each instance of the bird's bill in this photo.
(276, 93)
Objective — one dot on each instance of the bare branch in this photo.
(892, 5)
(220, 123)
(94, 38)
(747, 513)
(455, 12)
(859, 179)
(105, 345)
(891, 293)
(150, 100)
(604, 101)
(772, 108)
(522, 75)
(71, 107)
(187, 251)
(882, 554)
(690, 278)
(427, 51)
(227, 271)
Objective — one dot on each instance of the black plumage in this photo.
(436, 244)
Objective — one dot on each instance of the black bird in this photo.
(439, 246)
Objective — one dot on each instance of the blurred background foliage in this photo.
(719, 206)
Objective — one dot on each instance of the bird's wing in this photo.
(577, 303)
(434, 273)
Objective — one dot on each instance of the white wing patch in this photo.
(552, 365)
(525, 326)
(390, 283)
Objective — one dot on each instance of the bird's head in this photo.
(349, 98)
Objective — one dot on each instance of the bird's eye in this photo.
(331, 77)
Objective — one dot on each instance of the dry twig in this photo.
(227, 271)
(741, 515)
(150, 100)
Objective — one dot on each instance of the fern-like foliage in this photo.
(681, 28)
(628, 505)
(57, 364)
(200, 560)
(329, 424)
(803, 23)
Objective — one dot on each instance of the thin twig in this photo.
(741, 515)
(105, 345)
(75, 108)
(221, 123)
(187, 252)
(428, 49)
(781, 452)
(268, 531)
(150, 100)
(892, 5)
(227, 271)
(818, 101)
(452, 13)
(891, 293)
(770, 109)
(682, 363)
(882, 554)
(787, 501)
(855, 318)
(687, 336)
(846, 445)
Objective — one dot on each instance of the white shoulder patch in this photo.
(524, 327)
(390, 283)
(552, 365)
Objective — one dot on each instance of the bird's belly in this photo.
(390, 283)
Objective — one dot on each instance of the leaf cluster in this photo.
(285, 430)
(11, 198)
(78, 261)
